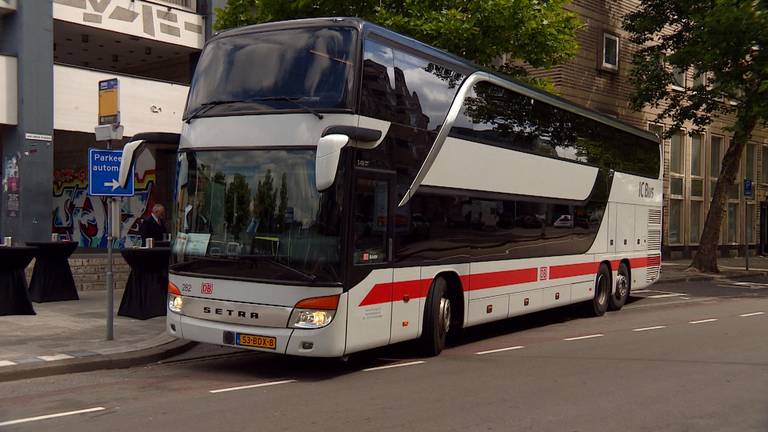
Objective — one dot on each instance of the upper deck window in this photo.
(275, 70)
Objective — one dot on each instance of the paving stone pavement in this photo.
(74, 329)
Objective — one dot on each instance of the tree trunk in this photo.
(705, 259)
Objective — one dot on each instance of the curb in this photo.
(98, 362)
(700, 277)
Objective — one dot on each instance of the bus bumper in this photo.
(328, 341)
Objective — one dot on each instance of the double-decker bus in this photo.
(342, 187)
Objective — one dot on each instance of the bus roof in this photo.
(451, 60)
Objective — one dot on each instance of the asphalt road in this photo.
(684, 357)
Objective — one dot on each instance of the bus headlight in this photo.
(311, 319)
(313, 313)
(175, 303)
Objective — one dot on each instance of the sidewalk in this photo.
(731, 268)
(69, 336)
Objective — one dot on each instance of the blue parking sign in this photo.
(747, 187)
(103, 171)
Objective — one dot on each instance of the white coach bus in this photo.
(342, 187)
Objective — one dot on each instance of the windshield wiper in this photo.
(271, 260)
(203, 108)
(293, 100)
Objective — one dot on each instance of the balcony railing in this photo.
(190, 5)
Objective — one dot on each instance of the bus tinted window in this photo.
(260, 70)
(442, 225)
(403, 88)
(498, 116)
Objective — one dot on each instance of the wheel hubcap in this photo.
(621, 286)
(445, 314)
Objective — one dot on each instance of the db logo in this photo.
(543, 273)
(206, 288)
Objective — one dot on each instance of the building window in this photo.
(750, 225)
(733, 223)
(764, 166)
(675, 216)
(699, 79)
(676, 154)
(610, 54)
(749, 171)
(695, 226)
(678, 78)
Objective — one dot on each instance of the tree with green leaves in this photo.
(236, 205)
(266, 201)
(723, 42)
(500, 34)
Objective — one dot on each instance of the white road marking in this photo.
(55, 357)
(50, 416)
(649, 328)
(245, 387)
(6, 363)
(584, 337)
(685, 298)
(665, 295)
(397, 365)
(640, 291)
(500, 350)
(751, 314)
(702, 321)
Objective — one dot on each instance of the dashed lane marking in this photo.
(50, 416)
(397, 365)
(658, 296)
(584, 337)
(702, 321)
(642, 329)
(500, 350)
(7, 363)
(55, 357)
(751, 314)
(252, 386)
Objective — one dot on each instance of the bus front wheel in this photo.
(437, 318)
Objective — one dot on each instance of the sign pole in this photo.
(110, 285)
(746, 227)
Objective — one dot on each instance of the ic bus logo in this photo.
(206, 288)
(645, 190)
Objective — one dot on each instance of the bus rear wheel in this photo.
(437, 318)
(621, 292)
(599, 303)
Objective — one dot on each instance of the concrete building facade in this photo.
(53, 53)
(598, 77)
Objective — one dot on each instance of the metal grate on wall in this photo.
(654, 217)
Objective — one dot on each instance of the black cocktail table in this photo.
(52, 277)
(14, 299)
(147, 288)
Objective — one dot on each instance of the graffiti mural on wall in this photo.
(82, 218)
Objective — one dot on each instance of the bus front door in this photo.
(370, 300)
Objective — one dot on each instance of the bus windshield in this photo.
(255, 214)
(274, 70)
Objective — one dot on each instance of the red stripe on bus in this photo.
(571, 270)
(502, 278)
(414, 289)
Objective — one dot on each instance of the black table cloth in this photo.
(14, 299)
(52, 277)
(146, 291)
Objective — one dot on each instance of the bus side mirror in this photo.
(126, 162)
(327, 159)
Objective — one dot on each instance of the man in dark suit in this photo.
(154, 226)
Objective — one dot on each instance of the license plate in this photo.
(256, 341)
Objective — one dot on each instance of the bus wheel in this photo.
(437, 318)
(599, 304)
(621, 293)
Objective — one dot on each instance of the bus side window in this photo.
(377, 93)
